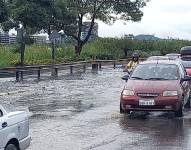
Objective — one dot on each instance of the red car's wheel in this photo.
(179, 112)
(188, 103)
(122, 111)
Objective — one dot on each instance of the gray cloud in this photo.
(164, 18)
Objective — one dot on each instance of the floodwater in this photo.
(81, 112)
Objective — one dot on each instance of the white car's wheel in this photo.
(11, 147)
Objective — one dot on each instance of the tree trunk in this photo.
(81, 43)
(125, 51)
(49, 30)
(90, 30)
(78, 49)
(22, 53)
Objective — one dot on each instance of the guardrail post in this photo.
(21, 75)
(84, 67)
(17, 76)
(94, 66)
(114, 64)
(71, 69)
(38, 73)
(100, 65)
(56, 71)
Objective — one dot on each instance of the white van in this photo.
(14, 129)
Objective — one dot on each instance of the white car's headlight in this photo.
(170, 93)
(128, 92)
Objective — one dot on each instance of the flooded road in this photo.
(81, 112)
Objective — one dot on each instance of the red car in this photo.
(156, 86)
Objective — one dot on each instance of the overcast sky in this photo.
(164, 18)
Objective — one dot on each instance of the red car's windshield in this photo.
(156, 72)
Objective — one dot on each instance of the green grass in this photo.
(103, 48)
(7, 57)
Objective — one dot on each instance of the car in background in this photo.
(14, 129)
(173, 56)
(185, 58)
(158, 58)
(186, 62)
(185, 51)
(156, 86)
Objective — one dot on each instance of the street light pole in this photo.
(21, 40)
(54, 51)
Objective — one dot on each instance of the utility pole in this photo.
(54, 37)
(53, 51)
(21, 40)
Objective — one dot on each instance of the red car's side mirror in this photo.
(126, 77)
(186, 78)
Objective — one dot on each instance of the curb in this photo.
(11, 93)
(3, 94)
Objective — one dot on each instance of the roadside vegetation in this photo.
(33, 17)
(103, 48)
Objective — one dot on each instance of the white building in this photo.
(5, 38)
(39, 39)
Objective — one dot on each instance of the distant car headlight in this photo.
(128, 92)
(170, 93)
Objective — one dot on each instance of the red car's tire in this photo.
(179, 112)
(188, 104)
(122, 111)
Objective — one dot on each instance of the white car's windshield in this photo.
(156, 72)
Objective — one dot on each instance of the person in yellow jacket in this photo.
(133, 63)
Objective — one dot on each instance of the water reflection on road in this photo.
(81, 112)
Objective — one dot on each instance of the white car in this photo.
(14, 129)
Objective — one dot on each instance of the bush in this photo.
(102, 49)
(66, 53)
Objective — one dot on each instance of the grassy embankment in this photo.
(107, 48)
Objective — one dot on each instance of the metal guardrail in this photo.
(18, 71)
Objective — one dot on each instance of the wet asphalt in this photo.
(81, 112)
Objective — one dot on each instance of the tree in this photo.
(107, 11)
(3, 11)
(32, 15)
